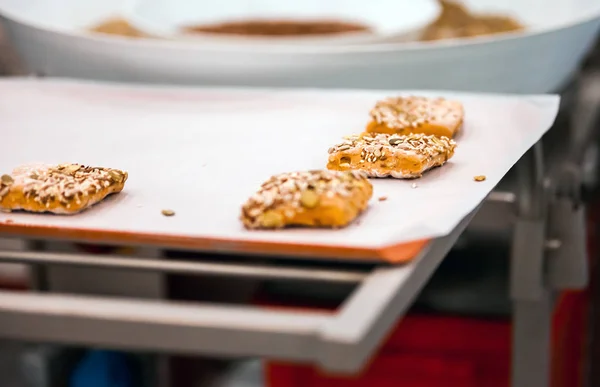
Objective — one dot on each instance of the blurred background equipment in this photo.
(509, 46)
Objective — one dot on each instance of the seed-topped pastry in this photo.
(405, 115)
(59, 189)
(382, 155)
(312, 198)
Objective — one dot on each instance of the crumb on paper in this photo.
(9, 221)
(382, 198)
(139, 206)
(414, 185)
(168, 212)
(479, 178)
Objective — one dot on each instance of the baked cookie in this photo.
(405, 115)
(382, 155)
(59, 189)
(312, 199)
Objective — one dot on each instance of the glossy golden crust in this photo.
(405, 115)
(383, 155)
(60, 189)
(311, 199)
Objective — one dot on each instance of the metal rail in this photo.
(181, 267)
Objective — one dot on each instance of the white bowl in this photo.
(51, 38)
(386, 19)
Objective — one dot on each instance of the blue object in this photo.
(102, 369)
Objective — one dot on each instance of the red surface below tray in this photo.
(446, 351)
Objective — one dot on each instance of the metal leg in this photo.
(532, 302)
(531, 343)
(549, 213)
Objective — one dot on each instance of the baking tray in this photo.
(202, 152)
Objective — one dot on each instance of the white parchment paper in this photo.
(202, 152)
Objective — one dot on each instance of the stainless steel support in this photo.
(568, 264)
(532, 301)
(532, 322)
(585, 117)
(365, 319)
(549, 242)
(38, 258)
(160, 326)
(566, 252)
(339, 342)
